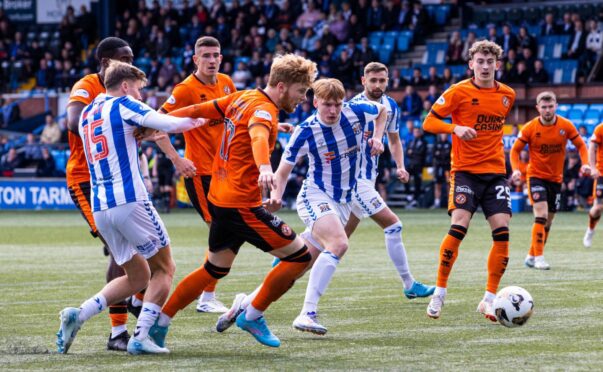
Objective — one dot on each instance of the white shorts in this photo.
(132, 228)
(366, 200)
(312, 204)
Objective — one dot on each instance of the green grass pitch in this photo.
(49, 261)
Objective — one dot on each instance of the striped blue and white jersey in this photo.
(332, 149)
(367, 168)
(107, 130)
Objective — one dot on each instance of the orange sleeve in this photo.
(515, 151)
(596, 137)
(180, 97)
(259, 144)
(579, 143)
(83, 91)
(434, 124)
(443, 107)
(208, 110)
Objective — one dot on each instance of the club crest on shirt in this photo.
(286, 230)
(562, 132)
(356, 128)
(226, 89)
(81, 93)
(505, 101)
(460, 199)
(171, 100)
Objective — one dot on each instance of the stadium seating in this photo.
(435, 53)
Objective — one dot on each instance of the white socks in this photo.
(148, 315)
(251, 313)
(92, 306)
(397, 253)
(489, 296)
(164, 320)
(116, 331)
(320, 277)
(440, 291)
(207, 296)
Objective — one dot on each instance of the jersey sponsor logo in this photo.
(350, 152)
(276, 221)
(505, 101)
(214, 122)
(171, 100)
(81, 93)
(146, 247)
(460, 199)
(489, 122)
(550, 149)
(538, 188)
(324, 207)
(464, 189)
(441, 100)
(263, 114)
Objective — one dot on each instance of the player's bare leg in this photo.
(593, 218)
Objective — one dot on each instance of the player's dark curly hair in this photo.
(107, 47)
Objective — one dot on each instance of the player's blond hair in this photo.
(328, 89)
(547, 96)
(290, 69)
(120, 71)
(375, 67)
(485, 47)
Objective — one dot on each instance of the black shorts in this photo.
(441, 174)
(231, 227)
(598, 190)
(490, 191)
(541, 190)
(197, 189)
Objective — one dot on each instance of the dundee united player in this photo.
(205, 84)
(366, 200)
(546, 137)
(241, 170)
(595, 157)
(78, 178)
(478, 107)
(127, 220)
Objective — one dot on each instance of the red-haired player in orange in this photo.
(546, 137)
(241, 169)
(78, 177)
(205, 84)
(595, 158)
(478, 107)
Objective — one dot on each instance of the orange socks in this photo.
(538, 237)
(448, 253)
(118, 314)
(498, 258)
(192, 286)
(281, 278)
(592, 221)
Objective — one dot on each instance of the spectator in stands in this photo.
(405, 15)
(447, 78)
(51, 133)
(548, 26)
(339, 27)
(493, 35)
(471, 38)
(454, 55)
(520, 75)
(242, 76)
(374, 18)
(432, 94)
(309, 40)
(396, 81)
(46, 165)
(539, 74)
(528, 57)
(343, 69)
(411, 104)
(508, 39)
(309, 17)
(168, 71)
(526, 40)
(416, 153)
(45, 77)
(425, 110)
(419, 21)
(390, 15)
(406, 132)
(577, 44)
(441, 166)
(594, 45)
(567, 26)
(32, 151)
(432, 77)
(417, 78)
(509, 66)
(9, 162)
(363, 56)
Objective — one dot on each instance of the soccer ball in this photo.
(513, 306)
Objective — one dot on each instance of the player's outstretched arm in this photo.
(170, 124)
(183, 166)
(376, 141)
(518, 146)
(260, 147)
(583, 152)
(276, 195)
(592, 159)
(395, 146)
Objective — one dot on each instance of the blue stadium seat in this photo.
(390, 41)
(385, 53)
(375, 38)
(591, 117)
(569, 68)
(596, 107)
(60, 159)
(406, 72)
(575, 115)
(404, 41)
(563, 109)
(442, 12)
(577, 122)
(458, 70)
(240, 59)
(435, 53)
(580, 106)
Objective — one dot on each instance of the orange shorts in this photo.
(80, 194)
(197, 189)
(231, 227)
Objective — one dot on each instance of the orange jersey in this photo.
(201, 143)
(234, 181)
(483, 109)
(597, 138)
(84, 91)
(547, 144)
